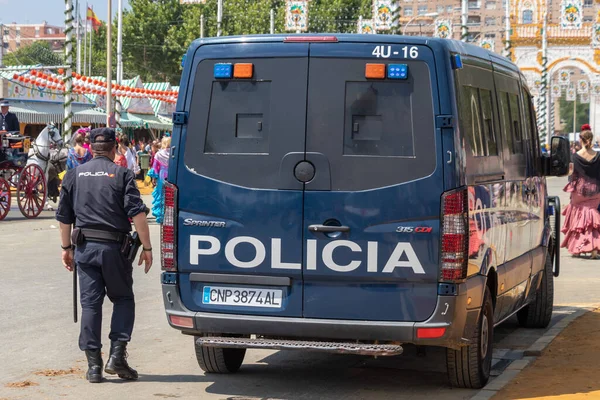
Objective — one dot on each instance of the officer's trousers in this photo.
(103, 270)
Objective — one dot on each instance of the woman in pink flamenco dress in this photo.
(582, 219)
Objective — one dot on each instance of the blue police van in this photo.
(354, 194)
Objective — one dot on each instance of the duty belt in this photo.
(103, 236)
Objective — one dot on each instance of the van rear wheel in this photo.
(219, 360)
(538, 313)
(470, 366)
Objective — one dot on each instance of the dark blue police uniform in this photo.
(99, 197)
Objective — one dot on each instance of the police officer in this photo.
(99, 197)
(8, 121)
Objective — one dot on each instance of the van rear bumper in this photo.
(450, 313)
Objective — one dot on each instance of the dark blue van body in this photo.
(346, 192)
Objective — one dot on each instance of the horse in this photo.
(48, 159)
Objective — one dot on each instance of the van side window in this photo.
(476, 117)
(515, 124)
(505, 118)
(509, 116)
(531, 131)
(488, 121)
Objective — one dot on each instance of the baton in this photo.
(74, 292)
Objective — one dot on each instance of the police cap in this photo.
(107, 133)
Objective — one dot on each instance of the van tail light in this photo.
(168, 231)
(455, 235)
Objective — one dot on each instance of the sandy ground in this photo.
(568, 368)
(144, 189)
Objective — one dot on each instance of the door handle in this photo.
(328, 228)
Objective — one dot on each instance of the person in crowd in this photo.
(120, 154)
(8, 121)
(78, 154)
(159, 172)
(582, 219)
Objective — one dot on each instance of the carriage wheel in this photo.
(31, 191)
(11, 175)
(4, 198)
(13, 178)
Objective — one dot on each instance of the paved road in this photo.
(37, 333)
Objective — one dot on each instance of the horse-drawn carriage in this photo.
(24, 170)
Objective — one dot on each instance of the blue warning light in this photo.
(223, 71)
(457, 61)
(397, 71)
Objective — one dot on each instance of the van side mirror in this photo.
(560, 157)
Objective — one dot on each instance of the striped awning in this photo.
(38, 112)
(163, 86)
(130, 120)
(90, 116)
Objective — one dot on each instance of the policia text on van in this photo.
(364, 192)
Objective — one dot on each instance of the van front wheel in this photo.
(219, 360)
(470, 366)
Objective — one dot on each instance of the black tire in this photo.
(219, 360)
(538, 313)
(470, 366)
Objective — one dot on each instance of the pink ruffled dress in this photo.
(582, 219)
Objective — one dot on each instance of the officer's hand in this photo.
(67, 259)
(146, 258)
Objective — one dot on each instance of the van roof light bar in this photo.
(317, 39)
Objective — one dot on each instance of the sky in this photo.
(52, 11)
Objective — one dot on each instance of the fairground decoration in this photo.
(584, 98)
(596, 36)
(366, 26)
(296, 16)
(443, 29)
(86, 85)
(583, 86)
(556, 91)
(571, 94)
(596, 88)
(564, 77)
(488, 44)
(571, 14)
(537, 83)
(383, 14)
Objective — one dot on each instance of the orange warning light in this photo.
(375, 71)
(243, 70)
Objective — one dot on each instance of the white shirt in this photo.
(130, 157)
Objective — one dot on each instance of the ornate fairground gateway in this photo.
(561, 60)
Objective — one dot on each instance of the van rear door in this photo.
(240, 204)
(371, 213)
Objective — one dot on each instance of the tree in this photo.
(39, 52)
(148, 46)
(566, 114)
(157, 33)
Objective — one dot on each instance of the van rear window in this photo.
(239, 118)
(378, 120)
(239, 130)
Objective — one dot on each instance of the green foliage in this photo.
(151, 39)
(39, 52)
(566, 114)
(157, 33)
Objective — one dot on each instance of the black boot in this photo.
(117, 363)
(94, 372)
